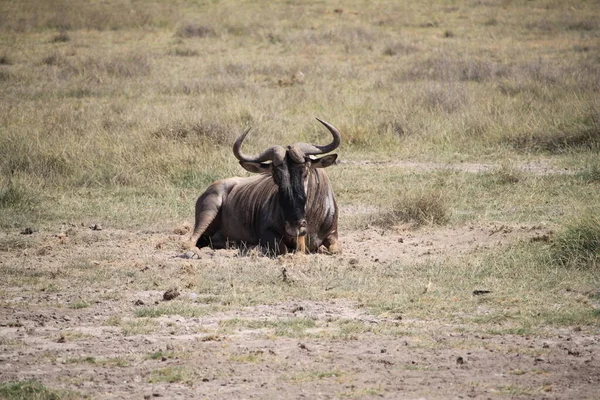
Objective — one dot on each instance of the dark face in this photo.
(291, 177)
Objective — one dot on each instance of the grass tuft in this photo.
(79, 304)
(504, 175)
(578, 245)
(399, 48)
(62, 37)
(26, 390)
(580, 133)
(215, 132)
(183, 52)
(590, 173)
(195, 30)
(417, 208)
(172, 308)
(5, 60)
(53, 59)
(16, 196)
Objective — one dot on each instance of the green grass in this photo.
(174, 374)
(578, 244)
(32, 390)
(292, 327)
(316, 375)
(174, 307)
(159, 355)
(88, 359)
(140, 326)
(252, 357)
(80, 304)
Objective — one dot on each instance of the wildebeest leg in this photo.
(332, 243)
(212, 239)
(207, 209)
(272, 244)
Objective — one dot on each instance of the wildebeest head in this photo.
(290, 168)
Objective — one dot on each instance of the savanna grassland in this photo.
(468, 187)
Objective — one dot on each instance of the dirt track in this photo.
(83, 350)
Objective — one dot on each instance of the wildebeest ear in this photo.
(324, 161)
(256, 167)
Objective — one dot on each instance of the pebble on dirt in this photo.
(171, 294)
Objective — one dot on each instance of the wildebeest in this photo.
(289, 205)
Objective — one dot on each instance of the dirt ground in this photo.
(79, 350)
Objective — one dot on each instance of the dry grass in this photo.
(578, 244)
(415, 208)
(192, 30)
(123, 112)
(454, 116)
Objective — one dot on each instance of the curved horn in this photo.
(273, 153)
(311, 149)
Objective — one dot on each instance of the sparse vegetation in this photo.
(293, 327)
(172, 308)
(177, 374)
(192, 30)
(578, 244)
(468, 186)
(417, 208)
(80, 304)
(28, 390)
(62, 37)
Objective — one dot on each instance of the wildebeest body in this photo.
(290, 197)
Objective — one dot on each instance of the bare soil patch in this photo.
(92, 341)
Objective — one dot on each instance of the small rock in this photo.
(96, 227)
(188, 255)
(28, 231)
(171, 294)
(297, 309)
(138, 302)
(183, 230)
(302, 346)
(460, 360)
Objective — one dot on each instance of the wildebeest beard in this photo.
(292, 196)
